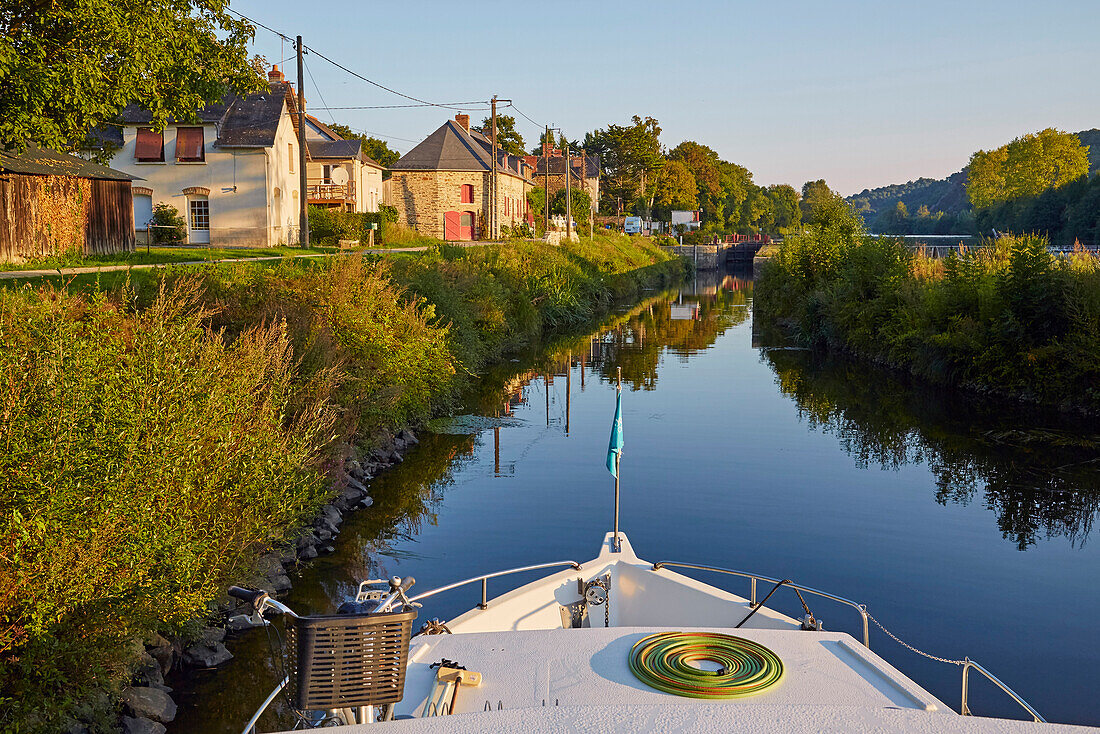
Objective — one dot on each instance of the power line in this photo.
(403, 106)
(340, 66)
(318, 90)
(357, 75)
(517, 109)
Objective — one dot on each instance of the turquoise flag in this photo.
(615, 446)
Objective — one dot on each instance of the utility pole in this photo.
(546, 174)
(494, 231)
(568, 196)
(303, 184)
(584, 180)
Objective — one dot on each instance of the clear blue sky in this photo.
(859, 93)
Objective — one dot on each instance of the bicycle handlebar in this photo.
(252, 596)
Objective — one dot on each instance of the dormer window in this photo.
(150, 146)
(189, 145)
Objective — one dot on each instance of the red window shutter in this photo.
(150, 145)
(189, 144)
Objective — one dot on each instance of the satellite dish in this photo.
(339, 176)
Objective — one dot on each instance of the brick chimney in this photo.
(275, 76)
(464, 121)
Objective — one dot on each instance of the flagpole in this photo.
(618, 455)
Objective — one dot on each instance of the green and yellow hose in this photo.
(663, 661)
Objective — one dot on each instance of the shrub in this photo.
(167, 224)
(1008, 316)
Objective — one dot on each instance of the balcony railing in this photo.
(322, 191)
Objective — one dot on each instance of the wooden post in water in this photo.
(568, 385)
(618, 455)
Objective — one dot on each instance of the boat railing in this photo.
(754, 577)
(966, 663)
(484, 579)
(965, 709)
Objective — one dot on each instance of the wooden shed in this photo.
(52, 203)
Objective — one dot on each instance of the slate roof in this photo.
(557, 165)
(343, 149)
(451, 148)
(37, 161)
(248, 121)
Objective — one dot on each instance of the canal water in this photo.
(963, 524)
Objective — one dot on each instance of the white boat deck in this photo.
(538, 676)
(578, 680)
(588, 667)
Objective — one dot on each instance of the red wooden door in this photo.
(451, 226)
(466, 225)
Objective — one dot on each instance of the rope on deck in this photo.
(663, 661)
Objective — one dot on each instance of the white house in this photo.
(233, 174)
(339, 174)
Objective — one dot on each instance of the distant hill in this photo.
(1091, 138)
(946, 195)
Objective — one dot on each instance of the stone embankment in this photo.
(147, 703)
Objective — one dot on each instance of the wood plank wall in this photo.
(42, 216)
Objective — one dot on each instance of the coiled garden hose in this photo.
(663, 661)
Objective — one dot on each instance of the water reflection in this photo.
(1039, 474)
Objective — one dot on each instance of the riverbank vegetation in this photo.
(1009, 317)
(158, 437)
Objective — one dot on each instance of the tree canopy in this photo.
(376, 148)
(675, 188)
(508, 138)
(785, 209)
(1027, 166)
(631, 158)
(817, 198)
(69, 65)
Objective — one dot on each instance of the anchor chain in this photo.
(905, 644)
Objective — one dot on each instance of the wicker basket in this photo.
(348, 660)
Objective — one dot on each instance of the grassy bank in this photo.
(158, 437)
(1008, 318)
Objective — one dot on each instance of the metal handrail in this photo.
(861, 608)
(965, 709)
(485, 578)
(967, 663)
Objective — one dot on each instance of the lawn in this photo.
(162, 254)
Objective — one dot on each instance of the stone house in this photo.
(232, 174)
(339, 174)
(442, 186)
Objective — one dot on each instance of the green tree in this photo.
(376, 148)
(817, 196)
(579, 199)
(508, 138)
(736, 182)
(757, 212)
(630, 156)
(67, 66)
(785, 209)
(675, 188)
(1026, 167)
(704, 165)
